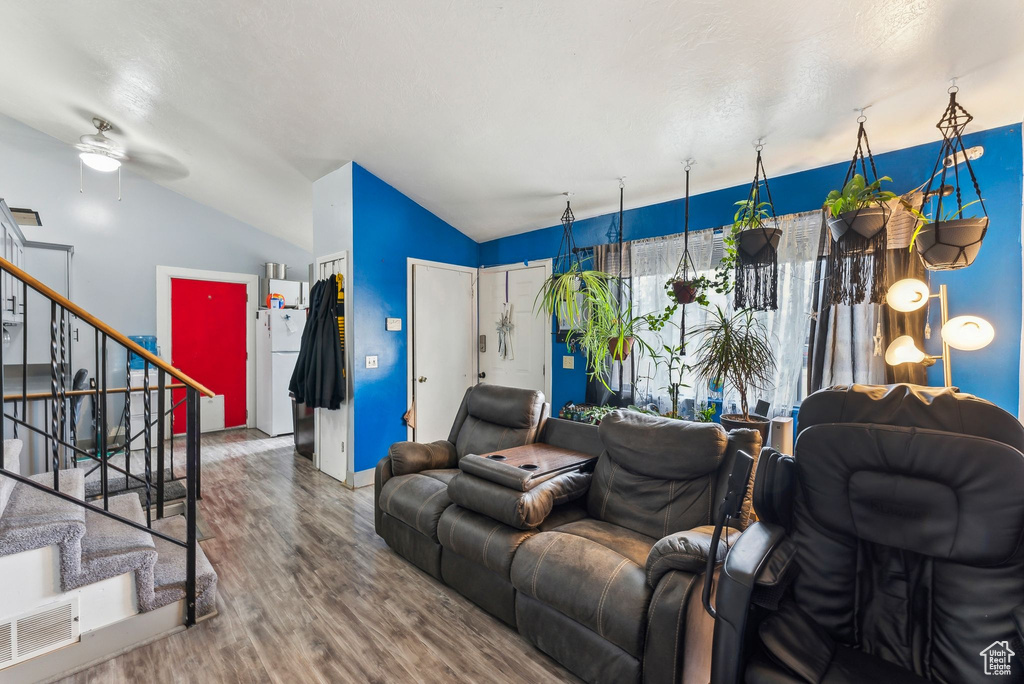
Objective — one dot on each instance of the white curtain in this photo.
(654, 261)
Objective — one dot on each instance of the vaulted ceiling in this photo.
(484, 111)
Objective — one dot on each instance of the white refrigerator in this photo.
(278, 334)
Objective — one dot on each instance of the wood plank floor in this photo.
(310, 593)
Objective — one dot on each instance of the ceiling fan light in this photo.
(906, 295)
(100, 162)
(968, 333)
(903, 350)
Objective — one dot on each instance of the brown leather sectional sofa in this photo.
(602, 570)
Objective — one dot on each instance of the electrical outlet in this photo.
(568, 362)
(371, 361)
(392, 324)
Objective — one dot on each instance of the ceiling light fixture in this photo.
(100, 153)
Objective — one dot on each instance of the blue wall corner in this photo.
(991, 287)
(388, 228)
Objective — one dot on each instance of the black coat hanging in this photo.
(756, 236)
(857, 257)
(951, 241)
(319, 376)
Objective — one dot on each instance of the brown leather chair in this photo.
(411, 482)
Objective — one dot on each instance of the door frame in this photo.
(410, 323)
(164, 274)
(548, 265)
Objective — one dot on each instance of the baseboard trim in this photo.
(362, 478)
(99, 646)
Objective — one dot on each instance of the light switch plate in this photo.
(568, 362)
(371, 361)
(392, 324)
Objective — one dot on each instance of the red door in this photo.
(208, 342)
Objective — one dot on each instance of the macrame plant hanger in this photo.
(857, 258)
(957, 245)
(685, 293)
(568, 254)
(757, 265)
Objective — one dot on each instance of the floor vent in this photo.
(41, 631)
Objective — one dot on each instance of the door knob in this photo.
(421, 379)
(481, 375)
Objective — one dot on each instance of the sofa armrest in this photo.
(381, 474)
(686, 551)
(413, 457)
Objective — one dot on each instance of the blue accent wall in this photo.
(388, 227)
(991, 287)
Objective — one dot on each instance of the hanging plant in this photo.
(752, 246)
(686, 286)
(858, 213)
(572, 289)
(946, 237)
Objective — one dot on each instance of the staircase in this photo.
(96, 527)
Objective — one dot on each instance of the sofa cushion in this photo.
(417, 500)
(493, 418)
(621, 540)
(587, 581)
(663, 448)
(480, 539)
(443, 474)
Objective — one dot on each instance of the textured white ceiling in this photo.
(485, 111)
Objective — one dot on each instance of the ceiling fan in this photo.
(106, 155)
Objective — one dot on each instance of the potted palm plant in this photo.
(858, 206)
(735, 350)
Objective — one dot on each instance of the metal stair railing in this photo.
(61, 434)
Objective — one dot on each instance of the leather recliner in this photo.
(411, 482)
(889, 547)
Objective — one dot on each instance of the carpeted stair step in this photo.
(35, 519)
(111, 548)
(169, 575)
(116, 480)
(12, 460)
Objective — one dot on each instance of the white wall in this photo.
(119, 244)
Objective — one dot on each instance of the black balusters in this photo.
(191, 479)
(63, 383)
(161, 405)
(103, 423)
(146, 415)
(55, 397)
(126, 416)
(24, 356)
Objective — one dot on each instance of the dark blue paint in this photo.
(991, 287)
(388, 227)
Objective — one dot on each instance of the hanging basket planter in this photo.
(753, 242)
(949, 245)
(949, 239)
(866, 223)
(756, 235)
(620, 348)
(685, 291)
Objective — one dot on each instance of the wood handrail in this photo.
(118, 337)
(37, 396)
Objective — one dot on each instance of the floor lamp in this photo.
(967, 333)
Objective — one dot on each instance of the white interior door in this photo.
(443, 342)
(525, 362)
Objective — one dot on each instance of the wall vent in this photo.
(41, 631)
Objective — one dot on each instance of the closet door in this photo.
(443, 343)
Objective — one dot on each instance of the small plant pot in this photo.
(753, 240)
(617, 353)
(866, 222)
(684, 291)
(949, 245)
(732, 421)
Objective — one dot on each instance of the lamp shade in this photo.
(909, 294)
(968, 333)
(100, 162)
(903, 350)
